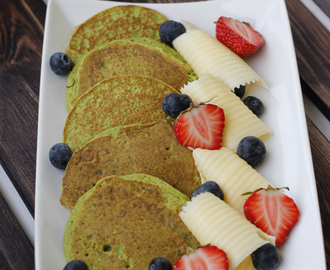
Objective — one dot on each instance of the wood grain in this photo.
(324, 6)
(312, 57)
(16, 251)
(320, 148)
(21, 35)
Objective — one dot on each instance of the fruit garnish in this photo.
(240, 91)
(204, 258)
(60, 63)
(209, 186)
(266, 257)
(272, 211)
(252, 150)
(254, 104)
(59, 155)
(170, 30)
(160, 263)
(76, 265)
(173, 104)
(238, 36)
(201, 126)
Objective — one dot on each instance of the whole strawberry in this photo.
(272, 211)
(238, 36)
(200, 126)
(204, 258)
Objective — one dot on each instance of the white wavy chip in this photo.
(205, 54)
(239, 120)
(214, 222)
(231, 173)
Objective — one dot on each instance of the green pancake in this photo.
(126, 221)
(114, 23)
(150, 149)
(117, 101)
(131, 56)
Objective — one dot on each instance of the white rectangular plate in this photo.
(288, 161)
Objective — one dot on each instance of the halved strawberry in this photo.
(204, 258)
(200, 126)
(272, 211)
(238, 36)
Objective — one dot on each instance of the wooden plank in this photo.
(16, 251)
(313, 57)
(324, 5)
(320, 148)
(21, 29)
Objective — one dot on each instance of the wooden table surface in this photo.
(21, 36)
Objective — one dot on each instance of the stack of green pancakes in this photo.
(117, 101)
(114, 23)
(122, 40)
(126, 221)
(129, 176)
(130, 56)
(150, 149)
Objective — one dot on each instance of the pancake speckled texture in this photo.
(125, 222)
(150, 149)
(114, 23)
(118, 101)
(126, 21)
(131, 56)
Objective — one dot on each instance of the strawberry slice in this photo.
(238, 36)
(200, 126)
(272, 211)
(204, 258)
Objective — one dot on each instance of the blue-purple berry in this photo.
(266, 257)
(252, 150)
(59, 155)
(170, 30)
(60, 63)
(173, 104)
(210, 186)
(76, 265)
(254, 104)
(240, 91)
(160, 263)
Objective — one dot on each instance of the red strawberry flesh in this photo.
(240, 37)
(204, 258)
(272, 211)
(201, 127)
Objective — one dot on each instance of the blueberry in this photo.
(59, 155)
(252, 150)
(170, 30)
(173, 104)
(160, 264)
(266, 257)
(239, 91)
(254, 104)
(209, 186)
(60, 63)
(76, 265)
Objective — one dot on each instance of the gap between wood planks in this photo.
(17, 205)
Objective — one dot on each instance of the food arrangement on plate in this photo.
(160, 149)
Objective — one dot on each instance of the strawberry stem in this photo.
(195, 104)
(268, 188)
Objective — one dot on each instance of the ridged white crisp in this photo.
(205, 54)
(239, 119)
(231, 173)
(214, 222)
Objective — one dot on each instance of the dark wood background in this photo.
(21, 36)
